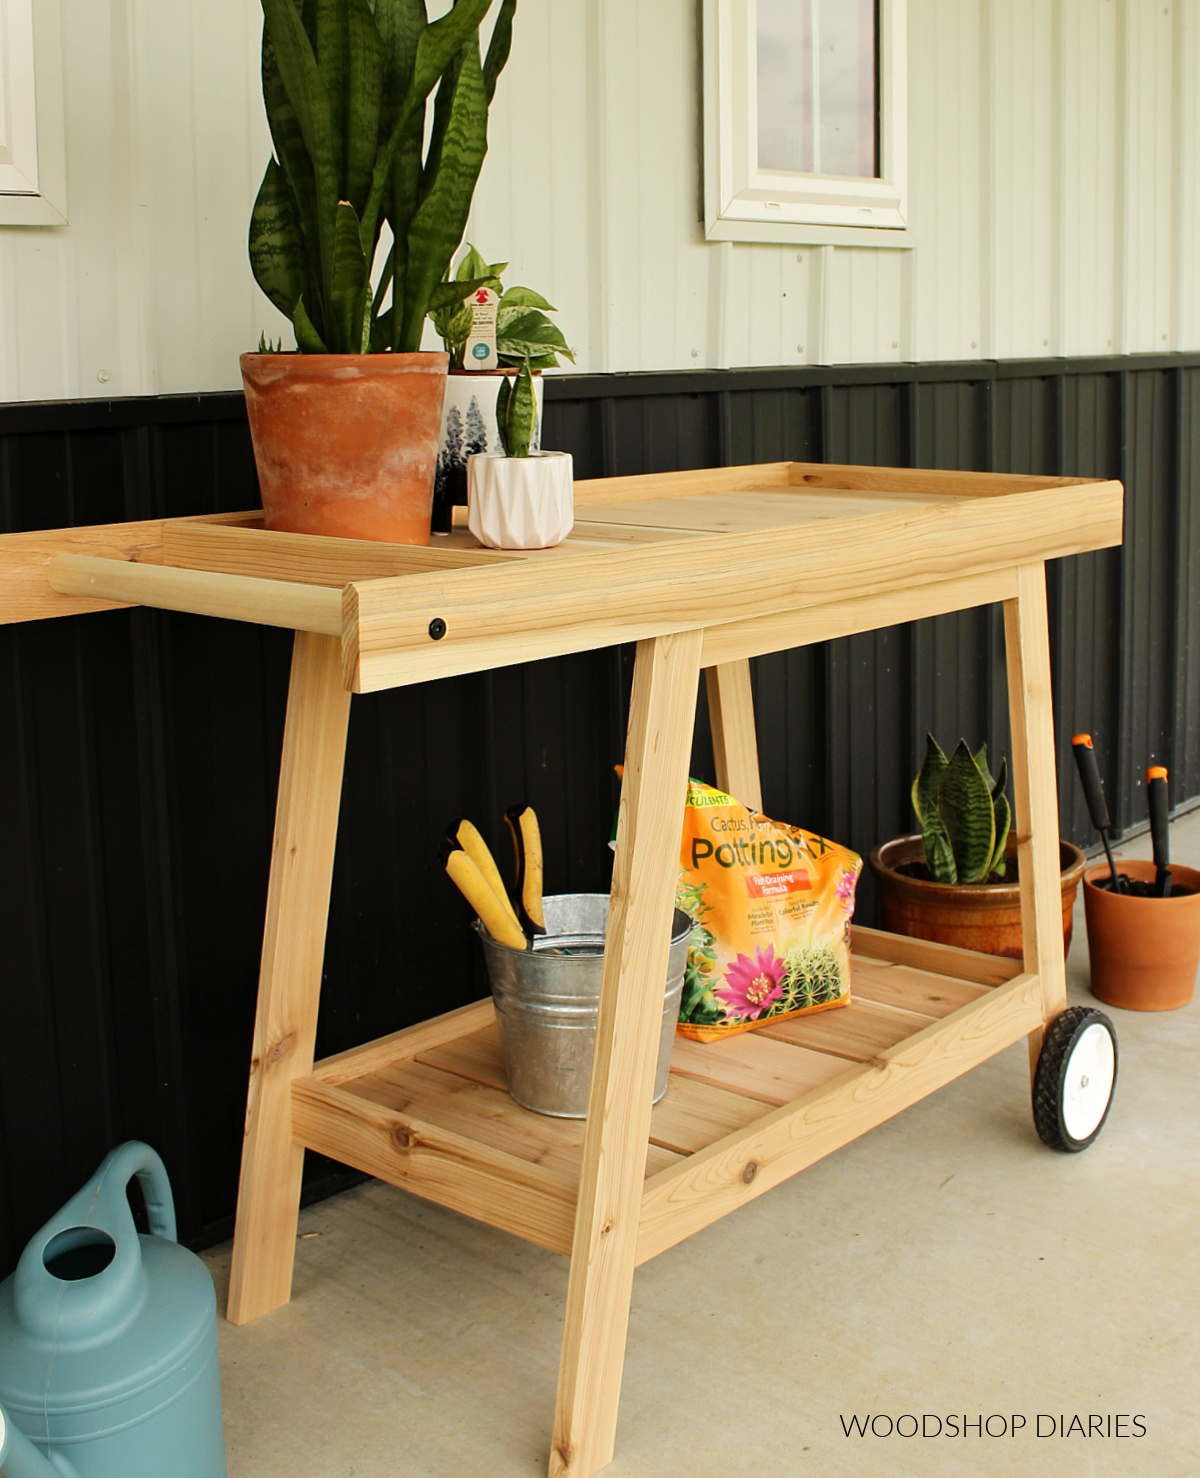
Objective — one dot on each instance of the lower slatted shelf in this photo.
(428, 1108)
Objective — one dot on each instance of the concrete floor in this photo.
(945, 1264)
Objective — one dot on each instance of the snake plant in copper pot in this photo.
(346, 429)
(955, 881)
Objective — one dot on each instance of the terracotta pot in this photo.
(346, 444)
(1144, 951)
(980, 916)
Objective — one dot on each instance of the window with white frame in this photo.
(805, 121)
(32, 144)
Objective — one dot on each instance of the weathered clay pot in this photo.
(1144, 952)
(346, 444)
(980, 916)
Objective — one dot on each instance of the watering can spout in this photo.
(19, 1458)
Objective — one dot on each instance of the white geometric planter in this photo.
(469, 427)
(521, 502)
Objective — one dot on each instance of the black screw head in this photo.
(437, 628)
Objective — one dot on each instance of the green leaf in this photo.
(381, 333)
(451, 294)
(528, 333)
(1001, 782)
(400, 23)
(939, 852)
(928, 785)
(437, 45)
(308, 340)
(438, 225)
(503, 396)
(333, 53)
(499, 47)
(276, 245)
(519, 424)
(982, 761)
(999, 863)
(473, 265)
(309, 98)
(364, 103)
(290, 148)
(525, 297)
(965, 806)
(351, 284)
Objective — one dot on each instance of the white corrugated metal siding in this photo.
(1054, 177)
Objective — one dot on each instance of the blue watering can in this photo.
(108, 1341)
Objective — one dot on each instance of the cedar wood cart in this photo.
(703, 570)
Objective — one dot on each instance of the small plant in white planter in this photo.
(522, 498)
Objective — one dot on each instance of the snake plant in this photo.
(346, 85)
(522, 328)
(516, 412)
(963, 813)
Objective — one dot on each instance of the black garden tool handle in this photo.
(1156, 793)
(1089, 777)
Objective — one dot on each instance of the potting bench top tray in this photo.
(704, 570)
(648, 556)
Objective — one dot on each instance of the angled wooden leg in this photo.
(735, 741)
(662, 713)
(289, 987)
(1035, 790)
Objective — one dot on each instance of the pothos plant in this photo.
(523, 332)
(346, 85)
(963, 813)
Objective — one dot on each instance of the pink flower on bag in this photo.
(752, 986)
(845, 892)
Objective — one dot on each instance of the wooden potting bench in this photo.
(703, 570)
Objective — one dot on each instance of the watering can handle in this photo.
(135, 1158)
(19, 1458)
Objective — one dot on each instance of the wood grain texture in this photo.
(714, 1182)
(413, 1040)
(755, 1066)
(945, 482)
(309, 559)
(734, 736)
(478, 1180)
(25, 590)
(1035, 788)
(735, 640)
(602, 490)
(857, 1032)
(662, 710)
(234, 597)
(526, 610)
(485, 1112)
(289, 989)
(941, 959)
(910, 989)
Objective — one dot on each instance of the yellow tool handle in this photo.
(471, 883)
(466, 835)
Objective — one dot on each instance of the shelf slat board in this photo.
(428, 1108)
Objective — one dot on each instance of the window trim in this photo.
(33, 168)
(745, 203)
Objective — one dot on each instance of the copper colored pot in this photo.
(346, 444)
(1143, 951)
(980, 916)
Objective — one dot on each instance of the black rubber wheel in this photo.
(1075, 1078)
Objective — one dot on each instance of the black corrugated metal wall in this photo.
(139, 750)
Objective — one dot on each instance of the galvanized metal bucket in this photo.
(547, 1000)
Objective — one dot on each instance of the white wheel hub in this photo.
(1088, 1082)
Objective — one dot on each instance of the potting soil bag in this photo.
(771, 905)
